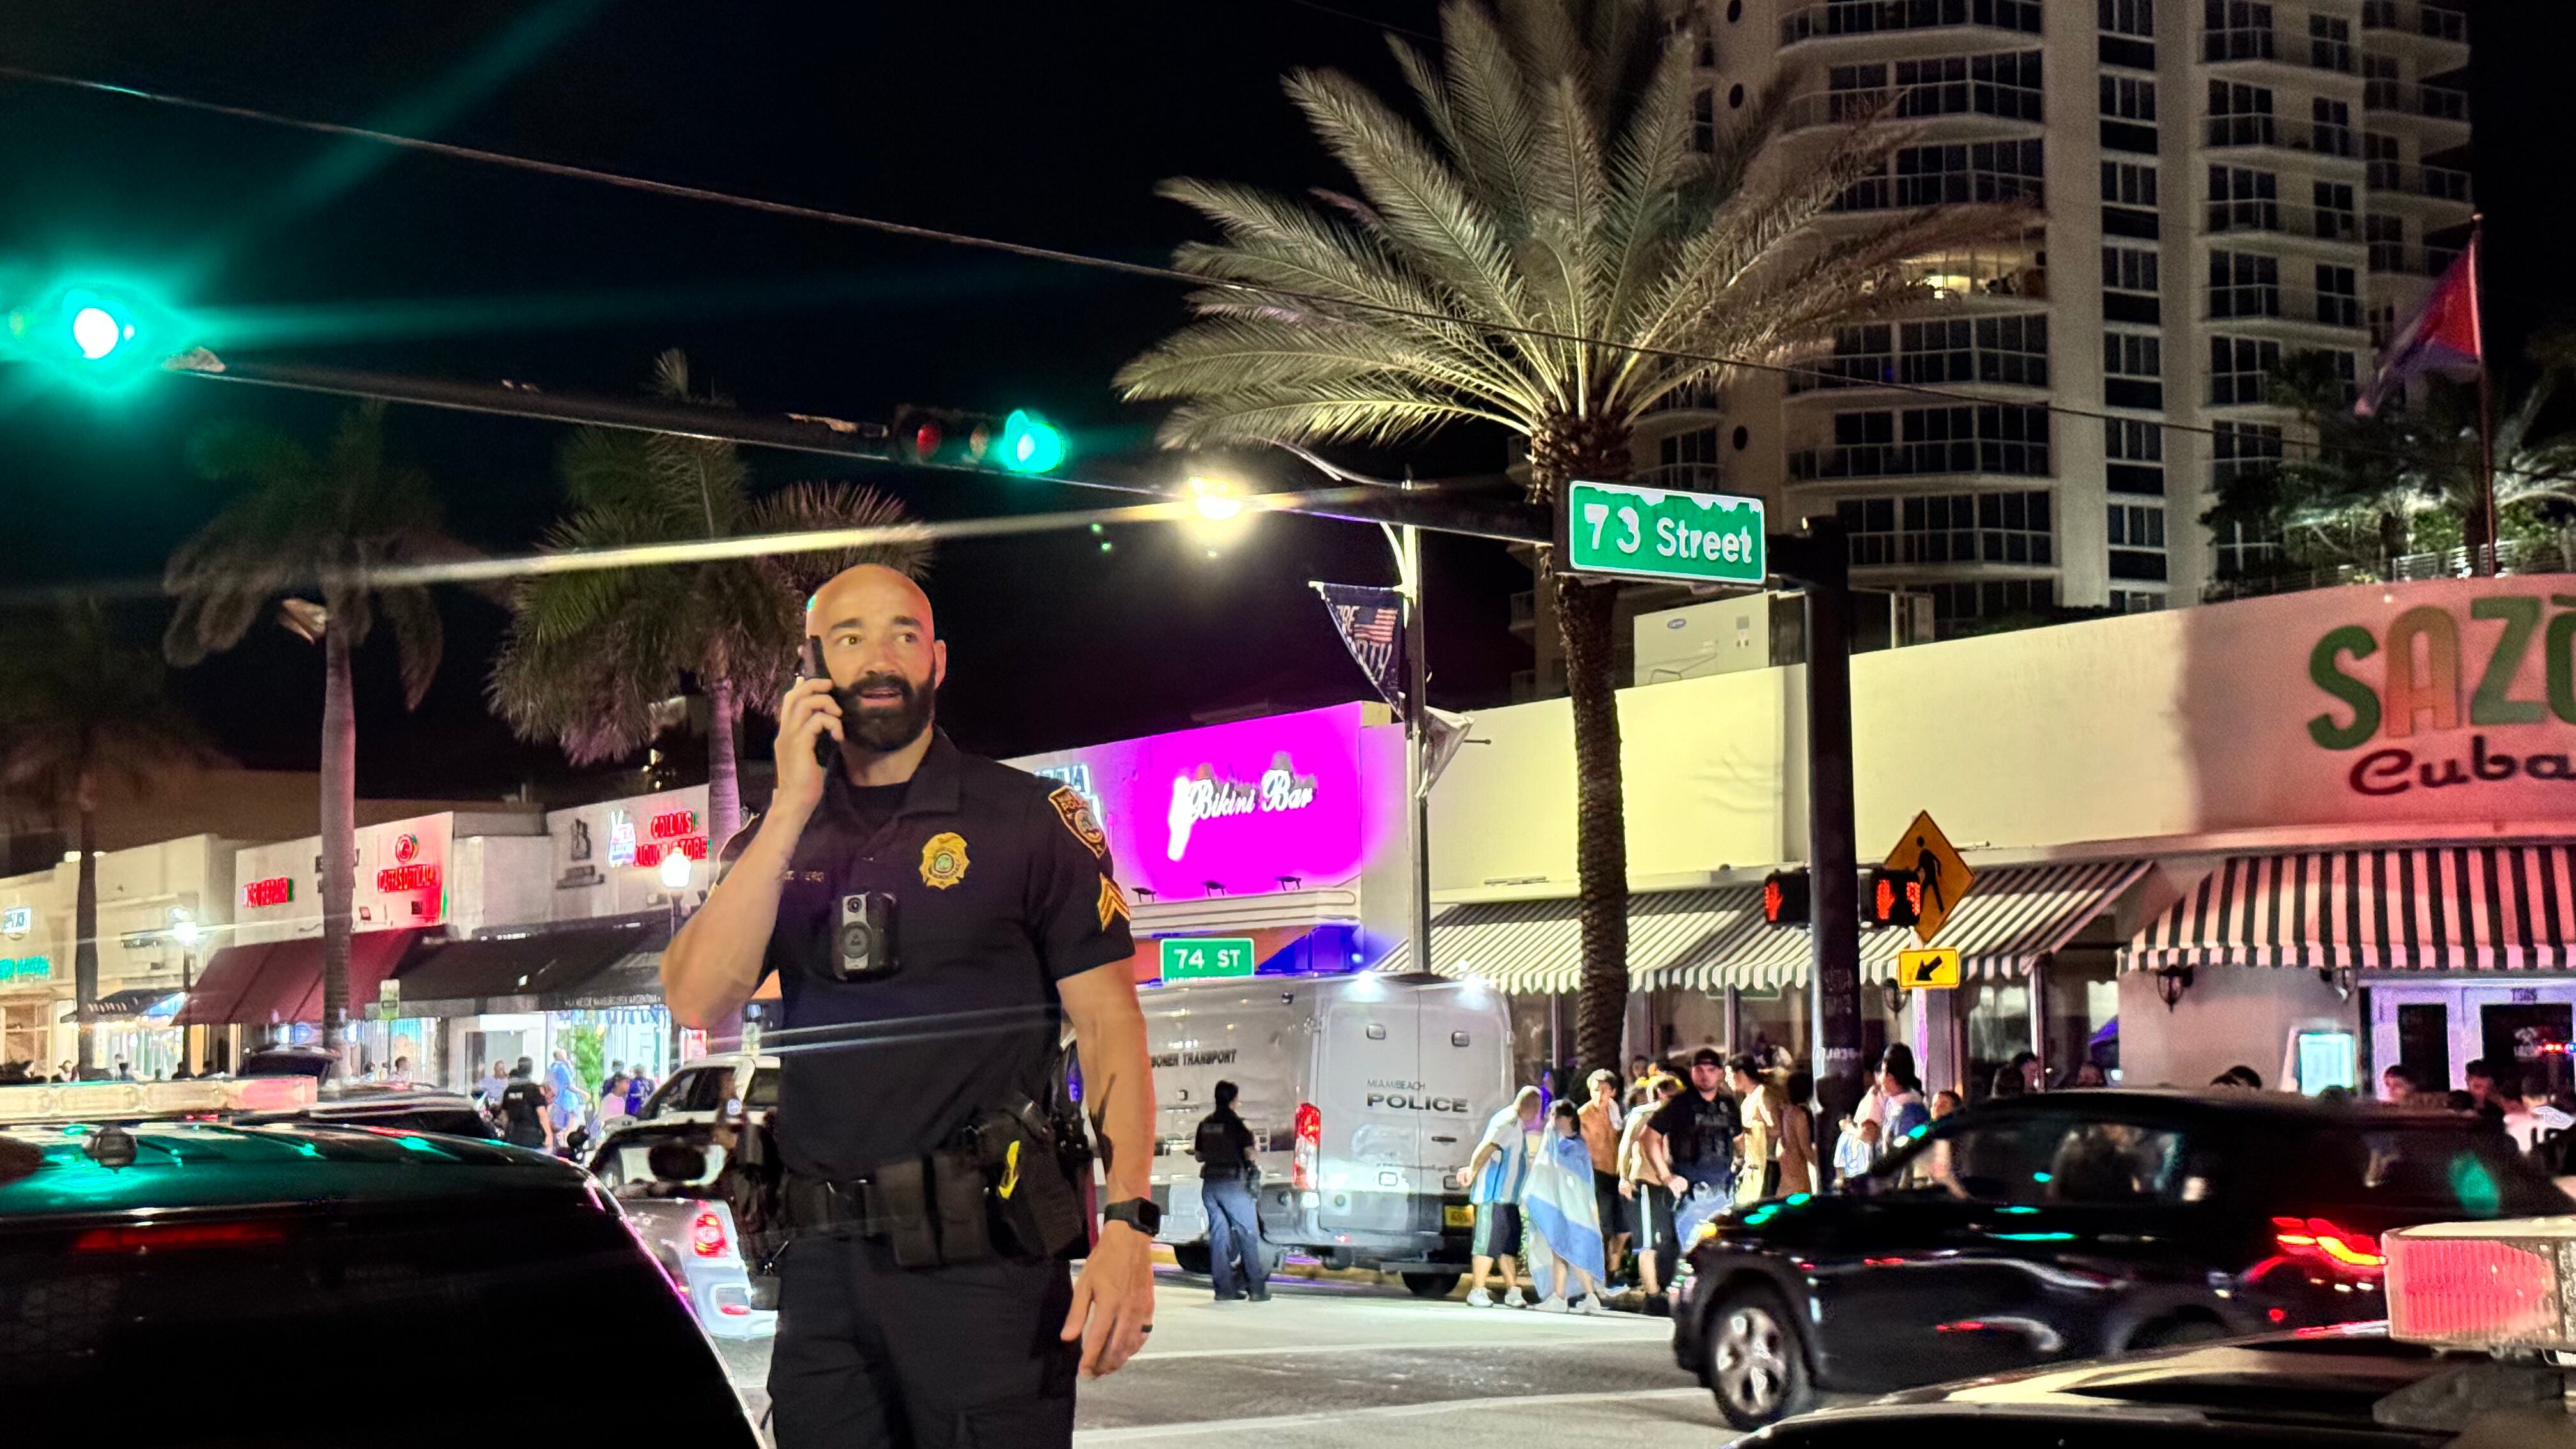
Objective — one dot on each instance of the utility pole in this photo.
(1417, 740)
(1820, 564)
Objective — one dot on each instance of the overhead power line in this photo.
(677, 191)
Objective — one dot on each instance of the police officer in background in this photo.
(1002, 922)
(1224, 1150)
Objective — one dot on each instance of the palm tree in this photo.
(2404, 480)
(591, 657)
(317, 523)
(81, 709)
(1552, 256)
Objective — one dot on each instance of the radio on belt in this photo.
(866, 943)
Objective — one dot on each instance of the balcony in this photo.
(2398, 259)
(1946, 111)
(2297, 310)
(2431, 183)
(2265, 217)
(2263, 132)
(1684, 478)
(2441, 108)
(2440, 35)
(2260, 47)
(1839, 19)
(2512, 556)
(1919, 460)
(1702, 396)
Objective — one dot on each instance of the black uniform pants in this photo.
(872, 1356)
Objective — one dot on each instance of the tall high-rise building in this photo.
(2215, 185)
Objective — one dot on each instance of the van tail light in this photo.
(707, 1235)
(164, 1237)
(2320, 1241)
(1310, 1146)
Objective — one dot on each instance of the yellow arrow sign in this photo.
(1926, 854)
(1931, 967)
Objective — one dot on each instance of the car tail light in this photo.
(167, 1236)
(1310, 1146)
(707, 1234)
(734, 1310)
(2320, 1241)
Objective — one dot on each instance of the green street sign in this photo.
(1655, 533)
(1198, 958)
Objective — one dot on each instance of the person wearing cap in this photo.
(1690, 1143)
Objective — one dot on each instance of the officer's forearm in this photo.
(1117, 1076)
(713, 965)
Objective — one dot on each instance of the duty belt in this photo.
(850, 1207)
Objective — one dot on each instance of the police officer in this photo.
(1224, 1150)
(1004, 921)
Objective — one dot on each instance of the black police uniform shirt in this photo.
(1002, 888)
(1699, 1133)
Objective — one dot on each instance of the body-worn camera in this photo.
(865, 947)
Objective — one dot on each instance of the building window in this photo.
(2129, 17)
(2013, 350)
(2243, 200)
(1863, 356)
(2387, 236)
(2238, 451)
(2240, 115)
(2331, 126)
(2005, 85)
(2136, 450)
(2380, 152)
(2137, 537)
(2241, 549)
(1990, 438)
(1992, 599)
(2379, 83)
(2128, 114)
(2244, 284)
(1937, 351)
(2383, 325)
(1704, 122)
(1949, 528)
(2330, 43)
(2338, 296)
(1689, 461)
(2133, 369)
(2238, 367)
(2136, 601)
(2129, 285)
(2334, 210)
(2129, 183)
(2235, 30)
(1938, 175)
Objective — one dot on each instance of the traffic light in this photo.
(1784, 898)
(100, 332)
(1024, 442)
(1895, 898)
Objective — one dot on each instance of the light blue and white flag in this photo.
(1561, 1208)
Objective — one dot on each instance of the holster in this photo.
(754, 1185)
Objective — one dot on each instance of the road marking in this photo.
(1552, 1340)
(1143, 1432)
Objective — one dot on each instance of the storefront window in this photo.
(1533, 1038)
(1998, 1030)
(26, 1033)
(1779, 1018)
(2082, 998)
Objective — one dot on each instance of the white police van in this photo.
(1364, 1093)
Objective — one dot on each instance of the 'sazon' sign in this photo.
(2473, 692)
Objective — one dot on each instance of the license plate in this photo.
(1458, 1216)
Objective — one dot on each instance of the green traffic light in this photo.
(101, 333)
(1031, 444)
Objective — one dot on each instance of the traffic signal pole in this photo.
(1820, 564)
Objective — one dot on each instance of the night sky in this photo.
(1039, 123)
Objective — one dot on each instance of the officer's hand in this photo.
(807, 714)
(1113, 1300)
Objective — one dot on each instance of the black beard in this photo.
(878, 728)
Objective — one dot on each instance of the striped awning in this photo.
(2011, 917)
(1536, 946)
(2465, 908)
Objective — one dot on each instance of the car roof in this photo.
(724, 1059)
(47, 1171)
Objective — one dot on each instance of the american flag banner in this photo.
(1372, 625)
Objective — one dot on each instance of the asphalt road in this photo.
(1326, 1364)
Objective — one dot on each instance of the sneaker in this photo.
(1553, 1305)
(1592, 1307)
(1480, 1299)
(1514, 1299)
(1262, 1296)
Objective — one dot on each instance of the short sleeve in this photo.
(1671, 1119)
(1077, 913)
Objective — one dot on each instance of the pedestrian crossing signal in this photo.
(1895, 898)
(1784, 898)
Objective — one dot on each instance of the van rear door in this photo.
(1372, 1100)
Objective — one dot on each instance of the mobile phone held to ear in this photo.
(809, 665)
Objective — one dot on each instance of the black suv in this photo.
(2076, 1224)
(207, 1282)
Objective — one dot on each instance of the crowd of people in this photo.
(558, 1113)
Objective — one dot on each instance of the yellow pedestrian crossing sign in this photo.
(1933, 966)
(1940, 877)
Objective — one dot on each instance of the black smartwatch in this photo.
(1136, 1212)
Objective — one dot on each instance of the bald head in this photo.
(883, 650)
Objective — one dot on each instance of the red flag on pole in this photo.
(2440, 337)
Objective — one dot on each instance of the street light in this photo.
(675, 870)
(1221, 516)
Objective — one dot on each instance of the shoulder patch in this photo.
(1075, 812)
(1113, 903)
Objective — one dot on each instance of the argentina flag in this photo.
(1560, 1207)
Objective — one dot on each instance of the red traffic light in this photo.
(926, 438)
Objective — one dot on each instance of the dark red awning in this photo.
(280, 981)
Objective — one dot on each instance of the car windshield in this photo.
(300, 1322)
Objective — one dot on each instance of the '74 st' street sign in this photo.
(1702, 538)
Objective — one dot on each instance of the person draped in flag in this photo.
(1563, 1217)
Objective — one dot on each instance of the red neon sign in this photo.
(650, 853)
(674, 824)
(397, 879)
(277, 890)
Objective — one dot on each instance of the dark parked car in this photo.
(187, 1282)
(2317, 1389)
(2076, 1224)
